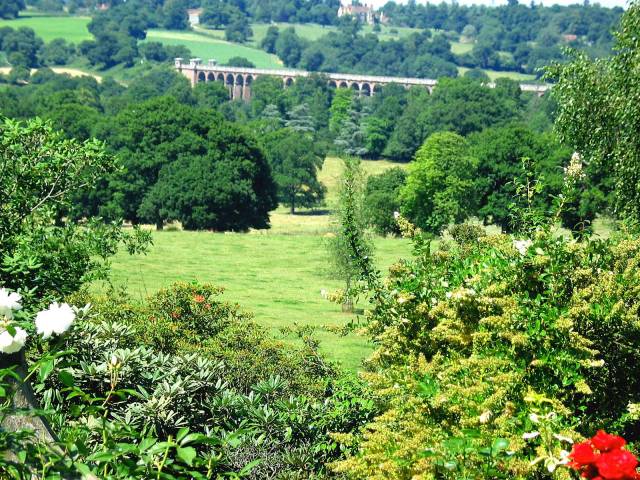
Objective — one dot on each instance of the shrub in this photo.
(466, 335)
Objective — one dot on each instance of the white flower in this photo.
(56, 319)
(12, 344)
(114, 360)
(530, 435)
(534, 418)
(485, 417)
(396, 215)
(323, 293)
(9, 302)
(562, 438)
(522, 246)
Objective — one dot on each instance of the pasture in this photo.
(208, 46)
(277, 274)
(72, 29)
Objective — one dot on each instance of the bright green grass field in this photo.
(277, 274)
(278, 277)
(208, 46)
(72, 29)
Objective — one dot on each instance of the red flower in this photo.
(582, 454)
(606, 442)
(602, 458)
(198, 299)
(617, 465)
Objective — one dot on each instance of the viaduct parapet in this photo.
(238, 80)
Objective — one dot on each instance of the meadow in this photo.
(277, 274)
(72, 29)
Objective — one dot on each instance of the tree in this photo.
(350, 250)
(289, 47)
(352, 138)
(238, 30)
(499, 152)
(268, 43)
(340, 105)
(56, 52)
(300, 120)
(11, 8)
(464, 106)
(240, 62)
(599, 117)
(295, 165)
(440, 186)
(175, 15)
(382, 200)
(227, 187)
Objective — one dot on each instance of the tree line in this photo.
(191, 154)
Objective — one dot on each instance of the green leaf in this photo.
(46, 368)
(500, 444)
(186, 454)
(66, 378)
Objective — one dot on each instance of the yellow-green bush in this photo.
(476, 340)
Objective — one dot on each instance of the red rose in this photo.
(606, 442)
(582, 454)
(617, 465)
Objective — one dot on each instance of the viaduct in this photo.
(238, 80)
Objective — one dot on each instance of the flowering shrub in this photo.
(466, 332)
(603, 458)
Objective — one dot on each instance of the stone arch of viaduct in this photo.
(238, 80)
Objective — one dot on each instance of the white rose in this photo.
(530, 435)
(9, 302)
(12, 344)
(56, 319)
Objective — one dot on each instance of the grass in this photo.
(209, 46)
(460, 48)
(494, 74)
(277, 274)
(72, 29)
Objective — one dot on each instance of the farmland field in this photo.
(208, 46)
(277, 274)
(72, 29)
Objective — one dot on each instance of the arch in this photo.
(248, 80)
(239, 79)
(288, 81)
(333, 84)
(229, 79)
(355, 86)
(202, 77)
(220, 77)
(211, 77)
(377, 88)
(365, 88)
(343, 85)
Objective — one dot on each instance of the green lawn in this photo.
(72, 29)
(208, 46)
(277, 274)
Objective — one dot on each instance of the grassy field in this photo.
(494, 74)
(277, 274)
(72, 29)
(208, 46)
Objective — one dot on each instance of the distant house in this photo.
(364, 13)
(103, 7)
(194, 16)
(570, 37)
